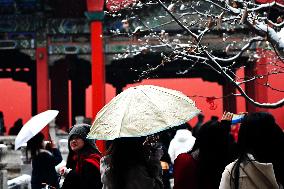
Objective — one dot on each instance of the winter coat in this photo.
(185, 168)
(43, 169)
(181, 143)
(138, 177)
(186, 173)
(253, 175)
(86, 175)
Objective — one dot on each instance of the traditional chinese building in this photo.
(56, 48)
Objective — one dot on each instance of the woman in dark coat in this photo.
(131, 165)
(83, 163)
(202, 167)
(43, 163)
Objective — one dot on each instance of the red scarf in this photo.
(93, 159)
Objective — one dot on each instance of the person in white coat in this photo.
(261, 156)
(182, 142)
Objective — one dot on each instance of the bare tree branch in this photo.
(277, 104)
(223, 17)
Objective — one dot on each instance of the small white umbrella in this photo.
(34, 126)
(142, 111)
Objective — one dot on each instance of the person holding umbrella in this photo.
(43, 163)
(43, 160)
(126, 120)
(82, 170)
(132, 163)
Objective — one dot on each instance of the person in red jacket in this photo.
(83, 163)
(202, 167)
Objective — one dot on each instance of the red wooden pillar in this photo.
(230, 101)
(95, 14)
(256, 89)
(250, 86)
(42, 83)
(261, 69)
(98, 71)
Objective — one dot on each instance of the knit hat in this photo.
(81, 130)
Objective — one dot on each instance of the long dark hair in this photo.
(260, 136)
(35, 144)
(212, 145)
(125, 153)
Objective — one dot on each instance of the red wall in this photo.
(15, 101)
(16, 97)
(193, 87)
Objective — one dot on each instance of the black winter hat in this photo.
(81, 130)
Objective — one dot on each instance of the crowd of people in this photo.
(14, 130)
(205, 157)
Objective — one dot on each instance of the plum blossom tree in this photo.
(187, 30)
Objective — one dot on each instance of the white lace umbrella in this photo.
(142, 111)
(34, 126)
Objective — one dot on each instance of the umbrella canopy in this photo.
(34, 126)
(142, 111)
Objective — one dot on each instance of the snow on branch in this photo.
(217, 34)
